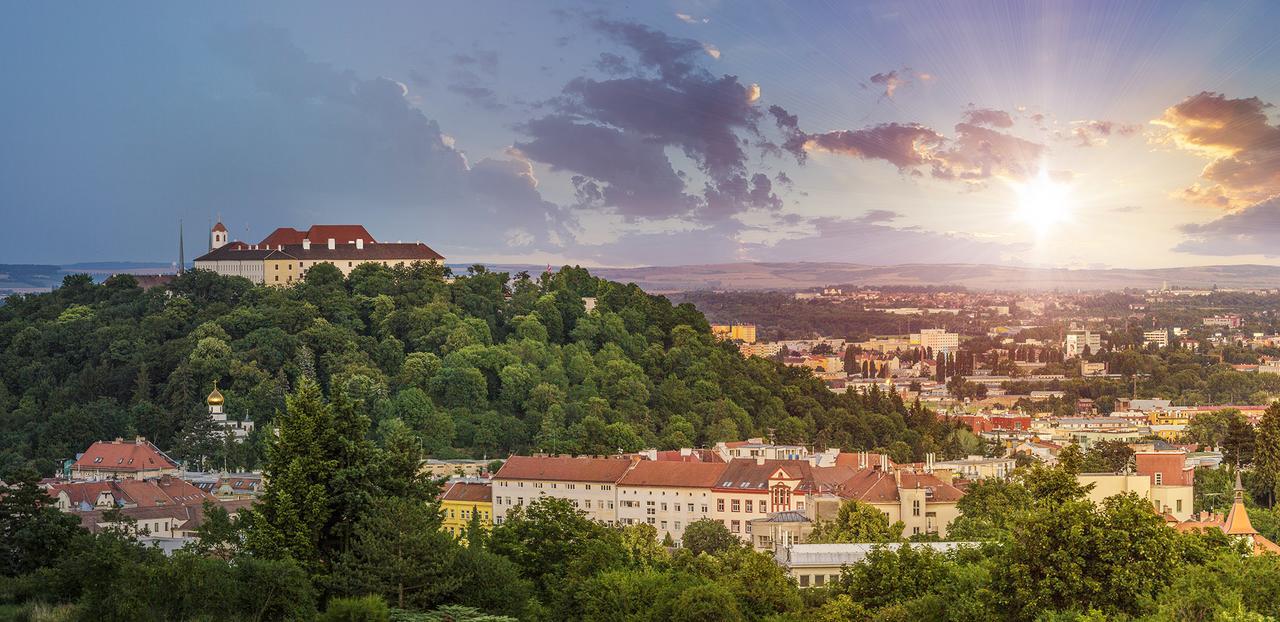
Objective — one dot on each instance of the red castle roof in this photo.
(318, 234)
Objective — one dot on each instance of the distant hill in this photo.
(803, 275)
(789, 276)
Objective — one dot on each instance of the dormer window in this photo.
(97, 460)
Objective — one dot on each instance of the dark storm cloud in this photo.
(665, 100)
(890, 81)
(1254, 230)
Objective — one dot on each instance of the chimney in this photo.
(306, 244)
(884, 462)
(331, 243)
(360, 244)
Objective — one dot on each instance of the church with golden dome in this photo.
(231, 428)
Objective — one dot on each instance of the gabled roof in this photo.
(674, 474)
(319, 234)
(752, 475)
(121, 455)
(403, 251)
(468, 491)
(146, 493)
(563, 469)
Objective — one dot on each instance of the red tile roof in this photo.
(118, 455)
(674, 474)
(563, 469)
(403, 251)
(468, 491)
(319, 234)
(750, 475)
(161, 491)
(219, 227)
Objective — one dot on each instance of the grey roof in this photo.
(846, 553)
(790, 516)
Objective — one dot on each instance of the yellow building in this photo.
(460, 501)
(746, 333)
(283, 257)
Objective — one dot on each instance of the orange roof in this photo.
(468, 491)
(674, 474)
(118, 455)
(563, 469)
(219, 227)
(144, 493)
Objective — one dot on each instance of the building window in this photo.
(704, 508)
(749, 504)
(1159, 478)
(719, 505)
(780, 498)
(737, 505)
(915, 507)
(1179, 505)
(804, 580)
(735, 526)
(819, 579)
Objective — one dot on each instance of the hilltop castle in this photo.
(283, 257)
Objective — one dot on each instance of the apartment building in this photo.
(590, 484)
(668, 494)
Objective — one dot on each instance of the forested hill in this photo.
(482, 365)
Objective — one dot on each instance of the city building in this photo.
(1222, 321)
(230, 428)
(936, 339)
(463, 499)
(1079, 342)
(283, 257)
(1159, 338)
(121, 459)
(668, 494)
(590, 484)
(1235, 524)
(745, 333)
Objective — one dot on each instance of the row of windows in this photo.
(568, 486)
(586, 504)
(818, 579)
(466, 514)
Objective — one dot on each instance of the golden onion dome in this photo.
(215, 398)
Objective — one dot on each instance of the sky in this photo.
(1072, 134)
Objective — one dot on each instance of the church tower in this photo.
(215, 402)
(217, 236)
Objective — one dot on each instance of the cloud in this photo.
(711, 50)
(614, 133)
(616, 169)
(867, 239)
(483, 97)
(1235, 135)
(613, 64)
(689, 19)
(1253, 230)
(903, 145)
(484, 60)
(890, 81)
(1094, 133)
(988, 117)
(977, 153)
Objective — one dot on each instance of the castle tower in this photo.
(215, 402)
(217, 236)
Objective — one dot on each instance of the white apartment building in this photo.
(667, 494)
(1159, 337)
(937, 339)
(590, 484)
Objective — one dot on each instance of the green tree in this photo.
(400, 553)
(708, 536)
(857, 521)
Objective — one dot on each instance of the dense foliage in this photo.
(478, 365)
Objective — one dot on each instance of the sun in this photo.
(1042, 202)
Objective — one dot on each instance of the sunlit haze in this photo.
(1075, 134)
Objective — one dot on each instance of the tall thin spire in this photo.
(182, 260)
